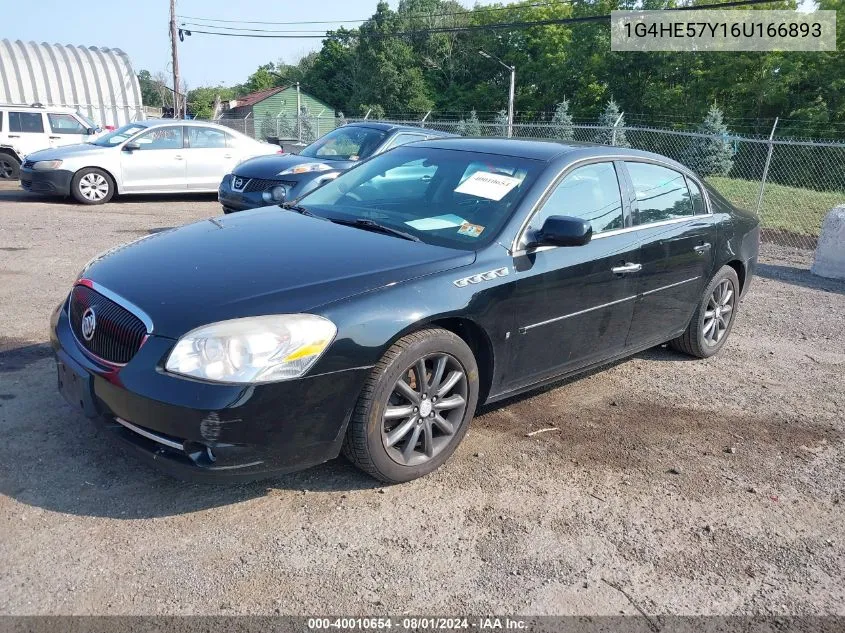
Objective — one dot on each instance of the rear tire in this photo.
(403, 427)
(10, 167)
(92, 186)
(714, 317)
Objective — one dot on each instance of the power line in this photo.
(411, 15)
(470, 28)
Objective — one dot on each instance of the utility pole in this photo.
(298, 113)
(174, 38)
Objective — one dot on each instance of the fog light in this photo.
(276, 194)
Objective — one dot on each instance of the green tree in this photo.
(201, 100)
(500, 123)
(150, 89)
(470, 126)
(562, 122)
(711, 155)
(610, 135)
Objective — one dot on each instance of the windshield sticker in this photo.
(485, 184)
(436, 223)
(470, 230)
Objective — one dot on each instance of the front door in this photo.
(678, 236)
(158, 165)
(66, 129)
(574, 304)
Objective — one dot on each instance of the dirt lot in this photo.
(698, 487)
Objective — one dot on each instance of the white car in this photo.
(154, 156)
(27, 129)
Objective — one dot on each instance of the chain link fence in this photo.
(790, 184)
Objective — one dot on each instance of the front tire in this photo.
(10, 168)
(92, 186)
(714, 317)
(415, 407)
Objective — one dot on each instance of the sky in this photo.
(141, 29)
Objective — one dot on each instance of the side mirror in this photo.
(91, 131)
(561, 230)
(131, 147)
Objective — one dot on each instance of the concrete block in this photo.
(830, 252)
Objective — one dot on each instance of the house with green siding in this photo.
(273, 113)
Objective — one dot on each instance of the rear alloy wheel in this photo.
(10, 168)
(713, 319)
(415, 407)
(92, 186)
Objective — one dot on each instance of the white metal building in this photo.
(98, 82)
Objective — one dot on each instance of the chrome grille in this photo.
(118, 334)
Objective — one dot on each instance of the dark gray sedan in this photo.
(274, 179)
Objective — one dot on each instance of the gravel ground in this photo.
(697, 487)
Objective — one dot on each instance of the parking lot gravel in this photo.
(669, 485)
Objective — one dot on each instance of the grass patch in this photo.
(789, 208)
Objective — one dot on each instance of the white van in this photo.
(27, 129)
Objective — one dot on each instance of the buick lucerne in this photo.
(374, 314)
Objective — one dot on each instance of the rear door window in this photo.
(699, 207)
(661, 192)
(26, 122)
(205, 138)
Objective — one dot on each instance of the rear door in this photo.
(159, 163)
(207, 157)
(678, 235)
(574, 304)
(27, 131)
(65, 129)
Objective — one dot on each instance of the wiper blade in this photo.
(292, 206)
(371, 225)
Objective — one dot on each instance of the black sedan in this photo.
(265, 180)
(374, 315)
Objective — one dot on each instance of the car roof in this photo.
(398, 127)
(37, 108)
(540, 150)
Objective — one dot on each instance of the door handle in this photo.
(14, 135)
(702, 248)
(227, 156)
(177, 158)
(626, 268)
(56, 137)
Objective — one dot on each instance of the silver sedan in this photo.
(154, 156)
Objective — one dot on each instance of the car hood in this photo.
(265, 261)
(268, 167)
(68, 151)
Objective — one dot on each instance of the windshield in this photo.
(119, 135)
(88, 122)
(445, 197)
(346, 143)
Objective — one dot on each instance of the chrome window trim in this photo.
(124, 303)
(515, 249)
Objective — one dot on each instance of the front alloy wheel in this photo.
(415, 406)
(426, 407)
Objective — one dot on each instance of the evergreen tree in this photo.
(562, 122)
(470, 126)
(713, 155)
(609, 135)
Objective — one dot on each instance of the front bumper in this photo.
(52, 182)
(201, 431)
(243, 199)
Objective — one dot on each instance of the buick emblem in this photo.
(89, 324)
(238, 183)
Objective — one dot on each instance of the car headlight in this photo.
(252, 349)
(44, 165)
(305, 168)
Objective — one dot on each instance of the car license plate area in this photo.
(75, 387)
